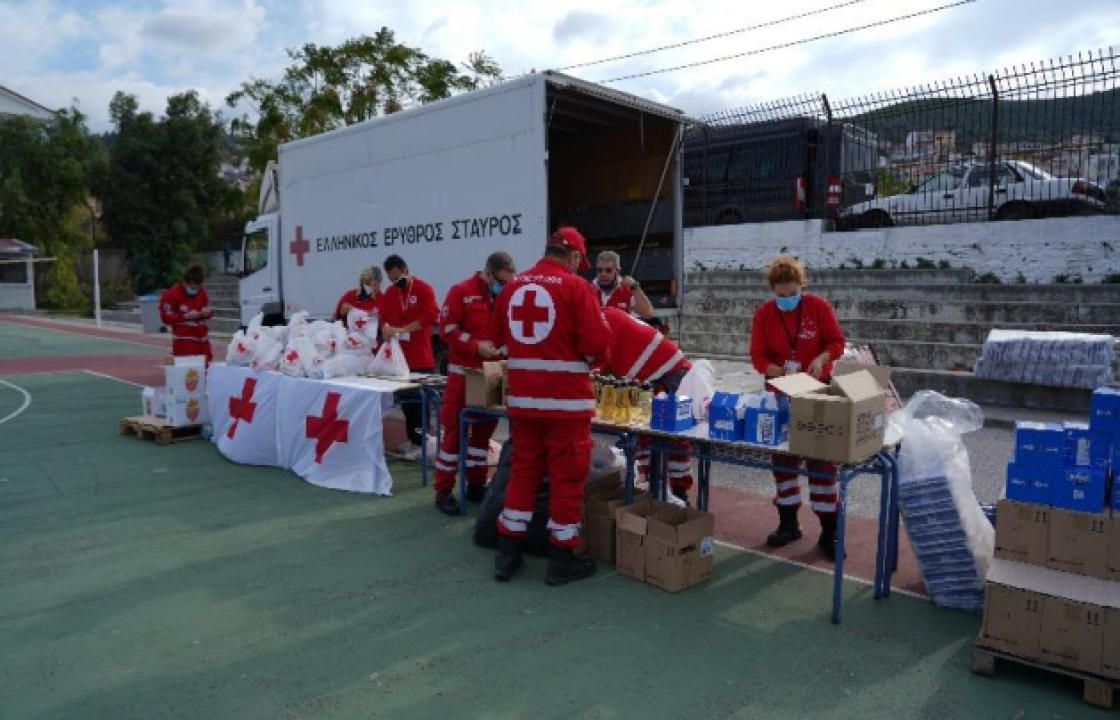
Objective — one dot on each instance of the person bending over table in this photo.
(797, 332)
(364, 297)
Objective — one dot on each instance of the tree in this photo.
(47, 172)
(324, 88)
(163, 190)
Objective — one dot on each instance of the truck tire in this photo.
(877, 219)
(1014, 211)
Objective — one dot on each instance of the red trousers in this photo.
(478, 439)
(822, 491)
(183, 348)
(678, 463)
(562, 448)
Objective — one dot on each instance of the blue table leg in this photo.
(704, 471)
(423, 437)
(838, 570)
(882, 549)
(437, 402)
(892, 558)
(628, 443)
(464, 422)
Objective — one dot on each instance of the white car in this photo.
(960, 194)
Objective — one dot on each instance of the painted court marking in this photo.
(111, 377)
(21, 408)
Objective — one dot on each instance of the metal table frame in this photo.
(709, 450)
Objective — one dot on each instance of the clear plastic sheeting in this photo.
(951, 537)
(1063, 359)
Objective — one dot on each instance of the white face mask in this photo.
(367, 288)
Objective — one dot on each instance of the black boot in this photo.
(508, 558)
(564, 566)
(475, 493)
(681, 494)
(788, 529)
(446, 503)
(827, 541)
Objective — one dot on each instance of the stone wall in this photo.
(1038, 250)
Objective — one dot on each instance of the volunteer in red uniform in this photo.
(552, 326)
(791, 333)
(466, 324)
(618, 291)
(640, 352)
(408, 311)
(364, 297)
(185, 308)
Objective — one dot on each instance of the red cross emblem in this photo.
(242, 408)
(327, 429)
(292, 357)
(300, 246)
(531, 322)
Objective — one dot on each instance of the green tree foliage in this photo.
(163, 190)
(325, 88)
(47, 171)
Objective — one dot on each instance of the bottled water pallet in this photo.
(156, 429)
(1097, 690)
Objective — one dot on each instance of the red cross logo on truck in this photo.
(300, 246)
(327, 429)
(242, 408)
(530, 322)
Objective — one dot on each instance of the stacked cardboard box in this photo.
(185, 391)
(603, 499)
(1053, 591)
(663, 545)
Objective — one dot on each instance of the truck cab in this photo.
(260, 270)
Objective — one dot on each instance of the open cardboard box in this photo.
(679, 548)
(486, 386)
(844, 421)
(631, 529)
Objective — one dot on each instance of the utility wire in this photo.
(706, 38)
(792, 43)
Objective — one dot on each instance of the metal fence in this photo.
(1039, 140)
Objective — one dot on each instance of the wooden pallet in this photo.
(1097, 690)
(149, 427)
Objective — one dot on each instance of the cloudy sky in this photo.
(62, 52)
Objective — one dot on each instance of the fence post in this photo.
(96, 290)
(992, 147)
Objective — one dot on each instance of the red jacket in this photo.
(622, 297)
(351, 297)
(399, 307)
(467, 318)
(638, 350)
(174, 304)
(819, 331)
(551, 324)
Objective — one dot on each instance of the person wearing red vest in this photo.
(364, 297)
(408, 310)
(640, 352)
(184, 308)
(791, 333)
(618, 291)
(466, 324)
(553, 329)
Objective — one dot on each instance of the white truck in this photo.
(444, 185)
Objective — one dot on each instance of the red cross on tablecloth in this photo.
(242, 408)
(528, 313)
(327, 429)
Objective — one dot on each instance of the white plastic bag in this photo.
(362, 323)
(240, 350)
(254, 330)
(266, 354)
(338, 366)
(699, 384)
(389, 361)
(297, 325)
(279, 333)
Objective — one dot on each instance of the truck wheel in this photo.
(877, 219)
(1013, 211)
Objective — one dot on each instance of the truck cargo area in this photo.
(606, 158)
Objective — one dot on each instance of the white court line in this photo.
(816, 568)
(55, 328)
(21, 408)
(108, 377)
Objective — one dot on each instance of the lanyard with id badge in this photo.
(791, 365)
(406, 298)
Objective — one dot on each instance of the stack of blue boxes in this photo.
(1067, 465)
(759, 418)
(940, 543)
(671, 413)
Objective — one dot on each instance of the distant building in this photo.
(17, 275)
(12, 103)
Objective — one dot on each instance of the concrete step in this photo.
(121, 315)
(934, 355)
(1016, 313)
(991, 392)
(224, 326)
(894, 278)
(729, 345)
(976, 292)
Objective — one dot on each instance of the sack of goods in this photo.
(1064, 359)
(951, 536)
(313, 349)
(185, 391)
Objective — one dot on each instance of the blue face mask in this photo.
(788, 304)
(495, 287)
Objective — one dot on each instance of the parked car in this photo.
(960, 194)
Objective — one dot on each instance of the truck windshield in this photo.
(256, 251)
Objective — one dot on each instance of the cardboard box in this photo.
(1084, 448)
(1078, 542)
(631, 529)
(671, 413)
(767, 425)
(1112, 553)
(1104, 410)
(842, 422)
(680, 549)
(1082, 489)
(186, 411)
(1029, 483)
(1012, 620)
(185, 391)
(600, 506)
(1072, 634)
(1039, 444)
(1110, 655)
(486, 387)
(724, 420)
(1022, 532)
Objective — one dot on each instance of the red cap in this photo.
(569, 237)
